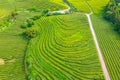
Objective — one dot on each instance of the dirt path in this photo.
(107, 77)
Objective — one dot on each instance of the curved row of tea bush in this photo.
(64, 50)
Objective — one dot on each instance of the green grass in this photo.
(5, 9)
(98, 5)
(64, 50)
(59, 2)
(12, 44)
(109, 41)
(8, 6)
(2, 14)
(80, 5)
(40, 4)
(12, 47)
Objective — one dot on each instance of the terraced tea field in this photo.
(63, 50)
(12, 43)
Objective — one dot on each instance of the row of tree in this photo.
(112, 13)
(32, 30)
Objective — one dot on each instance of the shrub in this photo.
(45, 13)
(30, 22)
(31, 33)
(24, 25)
(36, 17)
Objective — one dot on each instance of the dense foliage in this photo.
(112, 13)
(31, 32)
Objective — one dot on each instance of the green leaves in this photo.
(31, 32)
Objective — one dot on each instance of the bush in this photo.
(45, 13)
(31, 33)
(24, 25)
(30, 22)
(36, 17)
(33, 9)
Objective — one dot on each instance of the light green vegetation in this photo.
(5, 10)
(2, 14)
(9, 6)
(81, 5)
(6, 6)
(40, 4)
(64, 50)
(109, 41)
(12, 49)
(12, 43)
(98, 5)
(59, 2)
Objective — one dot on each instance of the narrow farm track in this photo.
(98, 48)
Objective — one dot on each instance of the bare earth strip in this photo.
(98, 48)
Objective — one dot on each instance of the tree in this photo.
(24, 25)
(112, 13)
(30, 22)
(36, 17)
(45, 13)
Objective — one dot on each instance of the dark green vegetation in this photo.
(64, 50)
(112, 13)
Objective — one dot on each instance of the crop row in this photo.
(64, 50)
(110, 44)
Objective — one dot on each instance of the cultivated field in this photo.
(81, 5)
(85, 5)
(63, 50)
(110, 45)
(12, 43)
(12, 51)
(97, 5)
